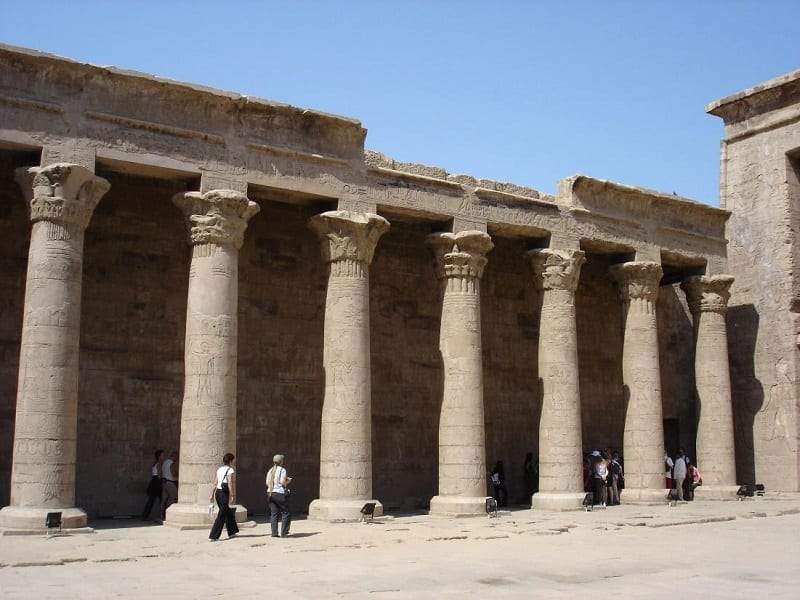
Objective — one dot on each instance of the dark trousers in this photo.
(279, 505)
(226, 516)
(600, 490)
(153, 493)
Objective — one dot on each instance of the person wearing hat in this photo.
(277, 492)
(599, 478)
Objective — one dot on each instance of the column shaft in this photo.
(643, 440)
(716, 459)
(560, 436)
(348, 243)
(46, 421)
(217, 220)
(462, 444)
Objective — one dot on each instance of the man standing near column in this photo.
(643, 440)
(708, 301)
(460, 260)
(345, 486)
(560, 437)
(217, 221)
(61, 198)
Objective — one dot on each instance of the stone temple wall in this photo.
(762, 318)
(133, 319)
(14, 240)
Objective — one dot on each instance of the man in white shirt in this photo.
(277, 492)
(169, 475)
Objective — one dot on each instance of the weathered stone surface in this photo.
(556, 274)
(348, 244)
(460, 259)
(298, 163)
(217, 221)
(643, 443)
(708, 300)
(760, 185)
(61, 199)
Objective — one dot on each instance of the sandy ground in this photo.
(713, 550)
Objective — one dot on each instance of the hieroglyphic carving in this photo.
(460, 260)
(348, 243)
(216, 217)
(61, 198)
(643, 439)
(218, 220)
(556, 274)
(708, 297)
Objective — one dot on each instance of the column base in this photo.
(341, 510)
(557, 501)
(643, 496)
(195, 516)
(458, 506)
(716, 492)
(33, 519)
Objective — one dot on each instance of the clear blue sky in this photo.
(527, 92)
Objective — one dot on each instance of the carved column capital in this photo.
(348, 238)
(216, 217)
(460, 255)
(707, 293)
(62, 193)
(556, 269)
(638, 280)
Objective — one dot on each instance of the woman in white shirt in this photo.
(277, 492)
(224, 492)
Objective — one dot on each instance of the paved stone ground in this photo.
(714, 550)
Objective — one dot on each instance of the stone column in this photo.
(708, 302)
(460, 259)
(217, 221)
(643, 443)
(560, 437)
(61, 198)
(348, 243)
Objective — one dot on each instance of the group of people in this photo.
(603, 476)
(224, 494)
(163, 485)
(497, 480)
(162, 488)
(682, 476)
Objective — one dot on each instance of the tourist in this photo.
(154, 487)
(531, 475)
(679, 473)
(599, 479)
(224, 492)
(277, 493)
(615, 479)
(169, 479)
(668, 464)
(498, 479)
(695, 479)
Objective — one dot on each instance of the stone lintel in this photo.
(556, 269)
(62, 192)
(707, 293)
(216, 217)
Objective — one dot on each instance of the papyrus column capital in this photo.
(460, 255)
(638, 280)
(556, 269)
(216, 217)
(708, 293)
(63, 193)
(348, 237)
